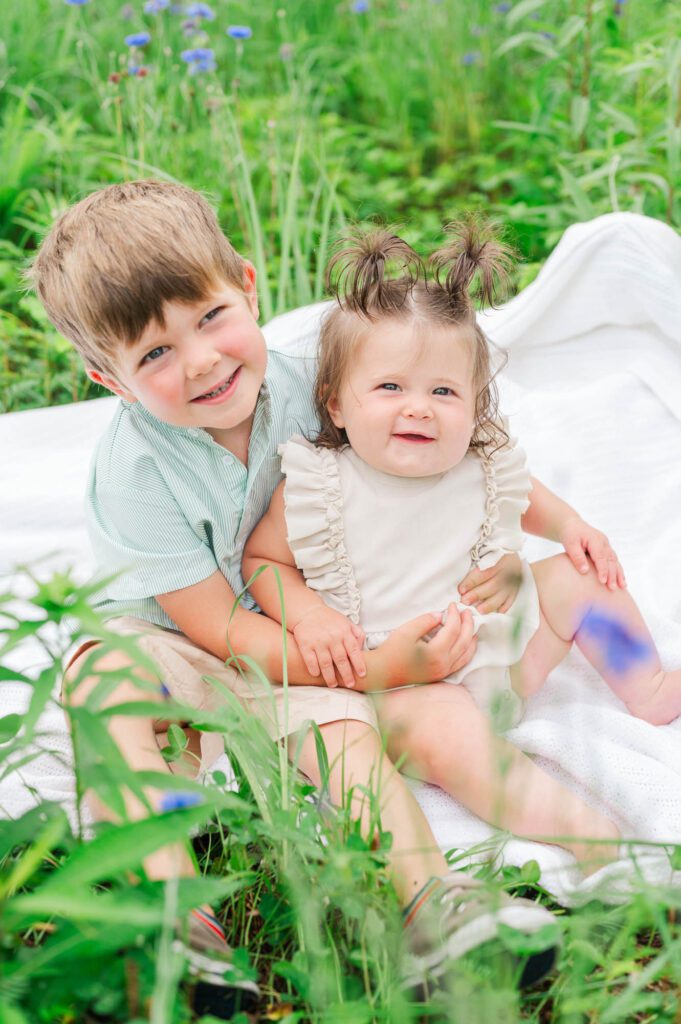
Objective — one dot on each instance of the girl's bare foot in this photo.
(601, 848)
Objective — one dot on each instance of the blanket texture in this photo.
(592, 389)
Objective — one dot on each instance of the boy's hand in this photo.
(407, 656)
(579, 540)
(494, 589)
(329, 644)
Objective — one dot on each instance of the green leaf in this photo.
(9, 727)
(123, 847)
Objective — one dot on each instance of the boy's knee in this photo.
(78, 686)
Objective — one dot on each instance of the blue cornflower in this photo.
(360, 7)
(200, 11)
(176, 801)
(239, 31)
(77, 3)
(503, 8)
(619, 648)
(154, 6)
(470, 58)
(138, 39)
(176, 9)
(198, 53)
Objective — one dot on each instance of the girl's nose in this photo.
(418, 408)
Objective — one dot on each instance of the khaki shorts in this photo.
(183, 667)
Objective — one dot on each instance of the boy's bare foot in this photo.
(663, 703)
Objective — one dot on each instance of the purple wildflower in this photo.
(618, 646)
(199, 59)
(286, 51)
(200, 11)
(127, 12)
(77, 3)
(548, 35)
(138, 39)
(470, 58)
(176, 801)
(360, 7)
(155, 6)
(503, 8)
(176, 9)
(239, 31)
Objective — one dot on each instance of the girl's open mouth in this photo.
(414, 438)
(221, 392)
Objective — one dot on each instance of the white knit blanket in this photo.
(593, 389)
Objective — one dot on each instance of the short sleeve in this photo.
(314, 522)
(143, 535)
(507, 485)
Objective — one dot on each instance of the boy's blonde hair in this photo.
(111, 261)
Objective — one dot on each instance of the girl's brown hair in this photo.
(472, 264)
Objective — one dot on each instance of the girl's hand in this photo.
(423, 650)
(579, 540)
(494, 589)
(330, 644)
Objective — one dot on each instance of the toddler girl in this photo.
(413, 491)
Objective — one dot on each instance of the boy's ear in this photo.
(111, 385)
(250, 289)
(333, 409)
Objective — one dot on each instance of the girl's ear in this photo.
(250, 289)
(334, 411)
(111, 385)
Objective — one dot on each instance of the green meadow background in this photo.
(296, 118)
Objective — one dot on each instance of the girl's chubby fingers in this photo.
(621, 578)
(343, 667)
(359, 634)
(356, 658)
(327, 669)
(575, 553)
(482, 592)
(474, 578)
(309, 656)
(465, 656)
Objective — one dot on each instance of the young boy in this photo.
(164, 314)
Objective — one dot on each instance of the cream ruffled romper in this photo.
(383, 549)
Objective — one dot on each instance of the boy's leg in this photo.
(216, 989)
(136, 741)
(614, 638)
(444, 738)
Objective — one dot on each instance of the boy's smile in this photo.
(203, 368)
(408, 403)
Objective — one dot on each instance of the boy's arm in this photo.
(549, 516)
(202, 612)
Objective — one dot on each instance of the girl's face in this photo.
(408, 402)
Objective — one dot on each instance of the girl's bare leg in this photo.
(357, 764)
(136, 740)
(625, 656)
(442, 737)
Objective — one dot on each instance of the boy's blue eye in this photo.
(443, 391)
(390, 387)
(213, 313)
(155, 353)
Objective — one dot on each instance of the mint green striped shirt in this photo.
(166, 506)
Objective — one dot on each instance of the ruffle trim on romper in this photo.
(314, 520)
(507, 490)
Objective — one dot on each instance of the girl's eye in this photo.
(211, 316)
(443, 391)
(390, 387)
(155, 353)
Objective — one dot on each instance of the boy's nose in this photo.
(201, 362)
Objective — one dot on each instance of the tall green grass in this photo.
(545, 113)
(304, 897)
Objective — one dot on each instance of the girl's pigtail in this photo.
(356, 272)
(473, 251)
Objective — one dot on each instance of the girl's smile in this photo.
(407, 404)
